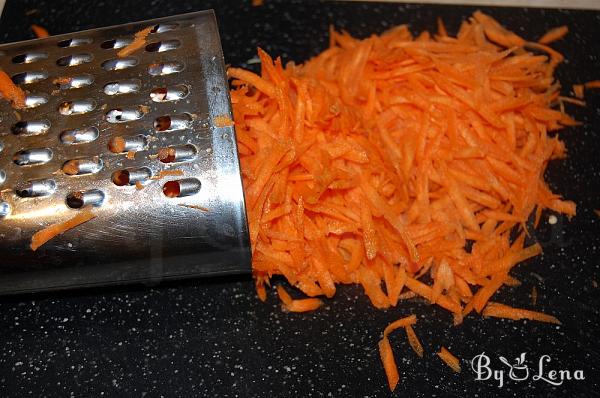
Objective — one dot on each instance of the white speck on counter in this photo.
(552, 219)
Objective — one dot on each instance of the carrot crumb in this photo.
(167, 173)
(223, 121)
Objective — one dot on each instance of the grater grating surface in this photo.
(131, 138)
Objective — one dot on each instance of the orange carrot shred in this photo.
(534, 296)
(504, 311)
(414, 340)
(40, 32)
(139, 41)
(11, 92)
(43, 236)
(553, 35)
(592, 84)
(400, 323)
(389, 363)
(301, 305)
(449, 359)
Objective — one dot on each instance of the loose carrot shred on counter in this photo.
(39, 31)
(385, 349)
(389, 363)
(42, 237)
(554, 34)
(139, 41)
(504, 311)
(11, 92)
(534, 295)
(301, 305)
(592, 84)
(578, 90)
(449, 359)
(387, 159)
(414, 340)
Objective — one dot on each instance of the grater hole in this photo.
(29, 77)
(123, 115)
(180, 153)
(35, 100)
(79, 136)
(164, 27)
(28, 58)
(74, 60)
(165, 68)
(119, 63)
(162, 46)
(76, 107)
(122, 87)
(4, 209)
(126, 144)
(34, 127)
(172, 122)
(74, 42)
(2, 176)
(36, 188)
(116, 43)
(131, 176)
(171, 93)
(80, 199)
(181, 188)
(1, 146)
(77, 167)
(31, 157)
(69, 82)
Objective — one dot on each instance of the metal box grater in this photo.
(99, 131)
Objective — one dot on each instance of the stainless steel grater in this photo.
(132, 139)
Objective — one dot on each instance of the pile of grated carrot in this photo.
(385, 160)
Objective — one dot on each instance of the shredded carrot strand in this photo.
(39, 31)
(592, 84)
(11, 92)
(223, 121)
(43, 236)
(414, 340)
(504, 311)
(553, 35)
(139, 41)
(449, 359)
(389, 363)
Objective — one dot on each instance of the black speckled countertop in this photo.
(214, 338)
